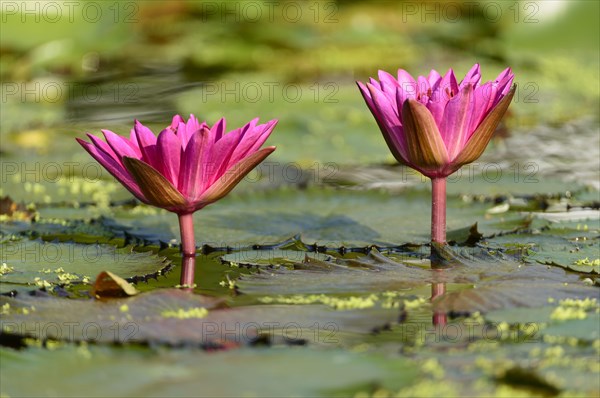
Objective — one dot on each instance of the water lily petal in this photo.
(115, 168)
(218, 129)
(425, 146)
(366, 95)
(447, 86)
(175, 122)
(233, 176)
(504, 85)
(394, 135)
(169, 155)
(481, 137)
(121, 145)
(390, 123)
(104, 147)
(185, 130)
(388, 82)
(455, 122)
(423, 90)
(407, 83)
(253, 137)
(194, 168)
(147, 142)
(221, 155)
(483, 100)
(434, 77)
(156, 188)
(473, 77)
(386, 108)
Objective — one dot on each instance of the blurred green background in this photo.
(73, 67)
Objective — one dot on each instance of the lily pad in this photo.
(380, 271)
(571, 230)
(583, 329)
(581, 255)
(342, 217)
(158, 373)
(578, 319)
(584, 256)
(536, 368)
(43, 264)
(75, 230)
(176, 317)
(498, 281)
(526, 286)
(270, 258)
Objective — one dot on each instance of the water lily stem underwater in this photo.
(437, 290)
(438, 210)
(188, 249)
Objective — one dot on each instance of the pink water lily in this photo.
(188, 166)
(435, 125)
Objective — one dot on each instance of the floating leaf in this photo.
(377, 272)
(109, 285)
(158, 373)
(264, 258)
(371, 273)
(177, 317)
(526, 286)
(488, 366)
(44, 264)
(570, 216)
(568, 318)
(581, 257)
(342, 217)
(498, 281)
(582, 329)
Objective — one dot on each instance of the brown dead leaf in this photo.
(109, 285)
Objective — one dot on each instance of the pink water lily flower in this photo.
(188, 166)
(435, 125)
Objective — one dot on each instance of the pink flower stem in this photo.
(437, 290)
(188, 248)
(438, 210)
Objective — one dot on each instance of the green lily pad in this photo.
(270, 258)
(581, 257)
(376, 272)
(342, 217)
(533, 368)
(176, 317)
(75, 230)
(43, 264)
(582, 216)
(583, 329)
(526, 286)
(371, 273)
(497, 280)
(142, 371)
(521, 315)
(570, 318)
(572, 230)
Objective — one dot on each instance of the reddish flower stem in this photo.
(188, 248)
(439, 318)
(438, 210)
